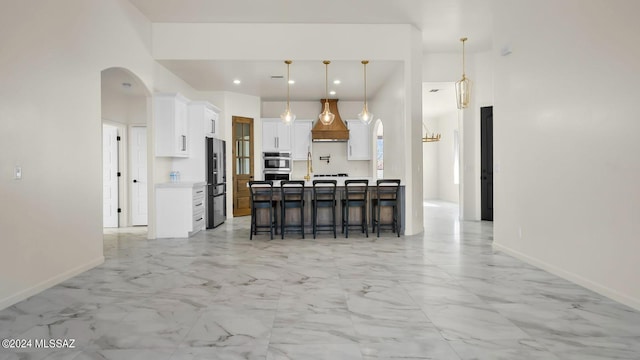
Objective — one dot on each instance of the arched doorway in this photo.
(124, 116)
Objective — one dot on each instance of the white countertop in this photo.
(181, 184)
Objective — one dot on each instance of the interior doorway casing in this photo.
(110, 169)
(243, 163)
(125, 102)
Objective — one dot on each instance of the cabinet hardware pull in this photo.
(213, 126)
(184, 142)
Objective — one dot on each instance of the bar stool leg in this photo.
(282, 215)
(378, 218)
(364, 220)
(315, 218)
(333, 213)
(346, 223)
(271, 222)
(302, 219)
(253, 223)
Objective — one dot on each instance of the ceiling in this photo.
(442, 23)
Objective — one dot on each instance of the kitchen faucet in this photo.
(309, 166)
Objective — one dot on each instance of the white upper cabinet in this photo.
(171, 125)
(211, 123)
(301, 139)
(206, 116)
(276, 136)
(359, 145)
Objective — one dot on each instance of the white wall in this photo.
(566, 140)
(309, 110)
(50, 111)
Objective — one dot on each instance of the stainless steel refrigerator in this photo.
(216, 183)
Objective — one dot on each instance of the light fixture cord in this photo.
(288, 86)
(463, 75)
(326, 83)
(365, 85)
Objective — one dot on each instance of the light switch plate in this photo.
(18, 173)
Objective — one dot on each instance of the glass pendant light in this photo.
(326, 117)
(287, 116)
(463, 86)
(365, 116)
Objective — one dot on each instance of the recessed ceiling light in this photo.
(236, 81)
(332, 92)
(292, 82)
(337, 82)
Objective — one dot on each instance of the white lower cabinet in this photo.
(180, 209)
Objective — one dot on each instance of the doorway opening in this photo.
(124, 114)
(242, 164)
(441, 159)
(379, 155)
(486, 162)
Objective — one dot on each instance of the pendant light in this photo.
(287, 116)
(365, 116)
(463, 86)
(326, 117)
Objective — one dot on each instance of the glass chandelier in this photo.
(326, 117)
(365, 116)
(463, 86)
(287, 116)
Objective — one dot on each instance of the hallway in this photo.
(444, 294)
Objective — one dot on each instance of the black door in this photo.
(486, 144)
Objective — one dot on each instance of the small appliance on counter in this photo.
(277, 165)
(216, 183)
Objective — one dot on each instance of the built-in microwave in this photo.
(279, 161)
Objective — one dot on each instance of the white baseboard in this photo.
(15, 298)
(599, 288)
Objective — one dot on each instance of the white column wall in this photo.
(566, 140)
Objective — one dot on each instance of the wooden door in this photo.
(486, 155)
(242, 164)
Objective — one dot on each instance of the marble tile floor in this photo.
(445, 294)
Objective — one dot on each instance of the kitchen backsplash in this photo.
(338, 162)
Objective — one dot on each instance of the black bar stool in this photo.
(292, 197)
(324, 196)
(262, 198)
(355, 196)
(387, 194)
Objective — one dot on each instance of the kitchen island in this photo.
(324, 214)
